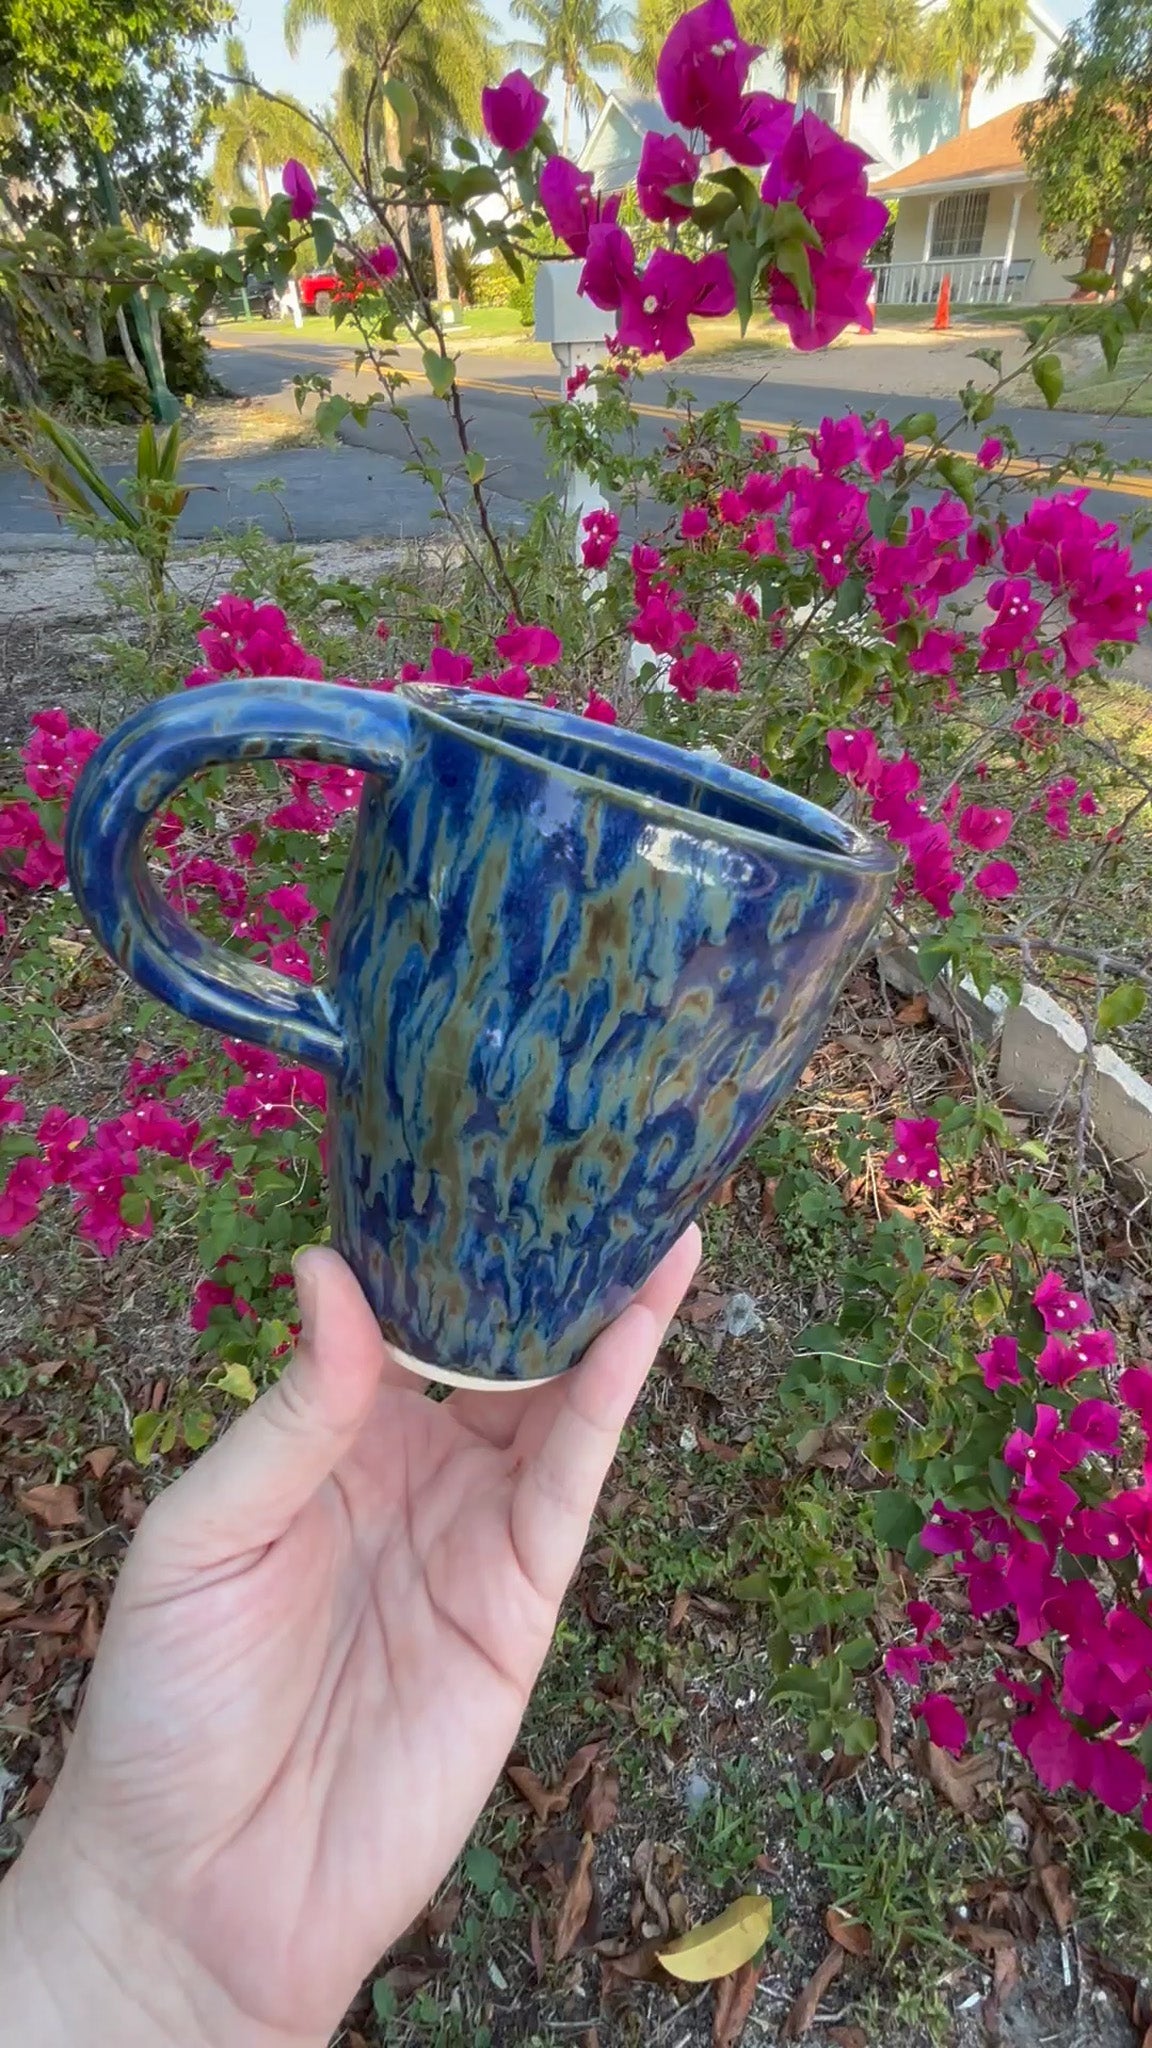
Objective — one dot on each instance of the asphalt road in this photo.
(360, 491)
(501, 394)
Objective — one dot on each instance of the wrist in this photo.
(81, 1967)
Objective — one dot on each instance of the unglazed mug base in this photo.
(445, 1377)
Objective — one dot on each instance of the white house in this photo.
(893, 124)
(967, 211)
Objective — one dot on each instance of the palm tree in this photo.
(573, 39)
(443, 50)
(866, 40)
(252, 135)
(974, 39)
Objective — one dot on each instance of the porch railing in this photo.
(976, 281)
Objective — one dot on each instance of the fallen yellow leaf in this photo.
(721, 1945)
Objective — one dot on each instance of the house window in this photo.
(824, 107)
(923, 92)
(958, 226)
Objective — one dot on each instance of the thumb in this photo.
(245, 1491)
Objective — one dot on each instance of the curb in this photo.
(1040, 1061)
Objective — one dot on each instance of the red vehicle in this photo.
(322, 288)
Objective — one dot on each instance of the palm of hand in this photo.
(308, 1683)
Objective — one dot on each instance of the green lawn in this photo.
(1127, 388)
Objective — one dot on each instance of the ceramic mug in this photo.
(570, 973)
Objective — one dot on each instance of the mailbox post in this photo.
(574, 330)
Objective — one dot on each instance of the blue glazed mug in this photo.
(570, 973)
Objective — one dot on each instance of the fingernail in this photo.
(305, 1280)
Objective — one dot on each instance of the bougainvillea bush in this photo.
(862, 613)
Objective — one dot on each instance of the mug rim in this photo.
(862, 856)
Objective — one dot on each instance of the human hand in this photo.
(319, 1652)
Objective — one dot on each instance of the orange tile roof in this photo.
(990, 150)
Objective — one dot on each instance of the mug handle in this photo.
(128, 779)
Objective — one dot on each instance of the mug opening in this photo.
(655, 773)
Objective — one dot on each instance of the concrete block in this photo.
(897, 964)
(1122, 1113)
(1041, 1046)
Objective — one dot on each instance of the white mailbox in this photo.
(562, 316)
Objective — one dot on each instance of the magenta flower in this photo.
(300, 189)
(947, 1530)
(574, 209)
(731, 508)
(661, 623)
(854, 754)
(22, 1193)
(601, 531)
(884, 448)
(694, 522)
(989, 452)
(982, 829)
(914, 1155)
(383, 262)
(705, 668)
(761, 127)
(924, 1617)
(945, 1724)
(905, 1662)
(600, 709)
(1098, 1424)
(1058, 1308)
(1135, 1389)
(512, 112)
(837, 444)
(701, 69)
(826, 177)
(1056, 1750)
(996, 880)
(656, 305)
(664, 161)
(1116, 1776)
(609, 266)
(532, 646)
(292, 902)
(11, 1108)
(1000, 1364)
(55, 754)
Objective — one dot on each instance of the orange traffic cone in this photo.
(943, 301)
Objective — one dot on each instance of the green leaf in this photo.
(859, 1735)
(1122, 1005)
(994, 358)
(957, 474)
(482, 1869)
(475, 465)
(1048, 375)
(324, 238)
(198, 1425)
(328, 415)
(895, 1518)
(1091, 281)
(235, 1379)
(384, 2001)
(246, 217)
(932, 957)
(440, 372)
(757, 1586)
(915, 425)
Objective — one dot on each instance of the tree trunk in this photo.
(847, 92)
(567, 120)
(46, 309)
(790, 59)
(130, 355)
(25, 382)
(969, 80)
(94, 332)
(1121, 257)
(439, 253)
(397, 215)
(262, 192)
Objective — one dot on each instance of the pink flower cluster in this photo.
(1059, 1556)
(891, 787)
(241, 638)
(1077, 557)
(31, 850)
(701, 74)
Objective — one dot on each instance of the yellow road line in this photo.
(1017, 465)
(1125, 484)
